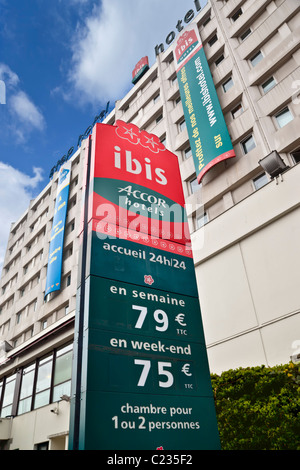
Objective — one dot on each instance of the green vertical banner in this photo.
(208, 134)
(143, 368)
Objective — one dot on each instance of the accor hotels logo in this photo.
(171, 36)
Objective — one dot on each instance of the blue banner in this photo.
(55, 256)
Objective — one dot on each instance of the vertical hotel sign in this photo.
(58, 228)
(208, 134)
(140, 379)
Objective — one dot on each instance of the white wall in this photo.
(42, 425)
(248, 278)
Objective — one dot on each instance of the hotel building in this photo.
(244, 220)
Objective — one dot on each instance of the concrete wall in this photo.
(42, 425)
(247, 267)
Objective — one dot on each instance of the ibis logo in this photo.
(185, 45)
(131, 133)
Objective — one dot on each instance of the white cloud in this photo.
(23, 115)
(16, 191)
(114, 38)
(26, 111)
(8, 76)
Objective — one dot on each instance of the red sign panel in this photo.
(136, 182)
(142, 65)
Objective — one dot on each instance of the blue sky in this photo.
(61, 61)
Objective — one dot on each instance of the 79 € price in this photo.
(161, 320)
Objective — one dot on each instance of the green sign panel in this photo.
(141, 378)
(208, 134)
(123, 307)
(146, 261)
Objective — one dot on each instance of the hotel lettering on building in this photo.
(243, 216)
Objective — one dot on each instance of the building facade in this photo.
(244, 221)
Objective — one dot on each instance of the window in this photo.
(201, 220)
(260, 181)
(284, 117)
(219, 60)
(173, 80)
(26, 389)
(248, 144)
(187, 152)
(8, 398)
(236, 15)
(40, 383)
(42, 396)
(156, 98)
(194, 186)
(206, 22)
(237, 111)
(212, 41)
(268, 85)
(245, 34)
(228, 84)
(42, 446)
(62, 373)
(296, 156)
(182, 125)
(159, 118)
(256, 58)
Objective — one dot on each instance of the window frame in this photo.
(255, 56)
(295, 154)
(246, 139)
(229, 80)
(213, 40)
(262, 176)
(236, 109)
(203, 217)
(280, 113)
(10, 404)
(219, 59)
(182, 125)
(187, 153)
(272, 80)
(15, 394)
(32, 368)
(238, 12)
(246, 33)
(193, 183)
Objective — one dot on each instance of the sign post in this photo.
(144, 375)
